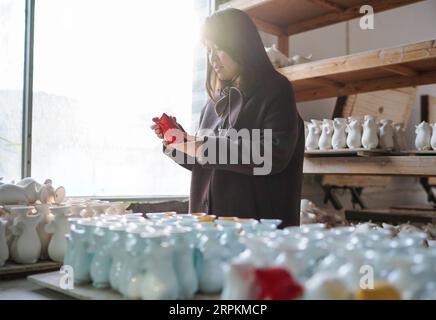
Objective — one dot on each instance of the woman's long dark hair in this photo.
(234, 32)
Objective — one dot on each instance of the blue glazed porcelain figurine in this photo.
(159, 281)
(183, 240)
(210, 258)
(134, 267)
(230, 238)
(81, 238)
(102, 257)
(118, 255)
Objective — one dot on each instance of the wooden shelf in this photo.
(383, 165)
(288, 17)
(389, 68)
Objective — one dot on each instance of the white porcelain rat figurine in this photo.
(339, 139)
(354, 130)
(28, 191)
(370, 130)
(386, 133)
(433, 137)
(400, 142)
(325, 141)
(423, 136)
(278, 59)
(313, 136)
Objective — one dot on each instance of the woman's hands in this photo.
(159, 133)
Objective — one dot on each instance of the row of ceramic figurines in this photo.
(354, 133)
(280, 60)
(425, 138)
(163, 257)
(28, 191)
(32, 233)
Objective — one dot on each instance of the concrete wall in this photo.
(412, 23)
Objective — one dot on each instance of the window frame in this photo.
(26, 155)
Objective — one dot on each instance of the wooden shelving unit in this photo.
(382, 165)
(284, 18)
(389, 68)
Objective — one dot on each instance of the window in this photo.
(12, 22)
(102, 70)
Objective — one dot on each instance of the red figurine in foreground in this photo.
(277, 284)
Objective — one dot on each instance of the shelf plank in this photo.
(382, 165)
(382, 69)
(51, 280)
(295, 16)
(12, 269)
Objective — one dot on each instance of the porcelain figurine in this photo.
(59, 227)
(82, 238)
(313, 136)
(15, 194)
(354, 133)
(26, 246)
(297, 59)
(423, 136)
(210, 260)
(386, 133)
(306, 130)
(370, 133)
(4, 250)
(325, 140)
(119, 255)
(433, 137)
(277, 58)
(160, 274)
(323, 286)
(45, 218)
(44, 192)
(28, 191)
(400, 142)
(183, 241)
(339, 139)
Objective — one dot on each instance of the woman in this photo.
(246, 92)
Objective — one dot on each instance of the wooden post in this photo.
(283, 44)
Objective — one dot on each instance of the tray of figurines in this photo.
(354, 136)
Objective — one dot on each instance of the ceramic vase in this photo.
(26, 246)
(59, 227)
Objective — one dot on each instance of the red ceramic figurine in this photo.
(166, 123)
(276, 283)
